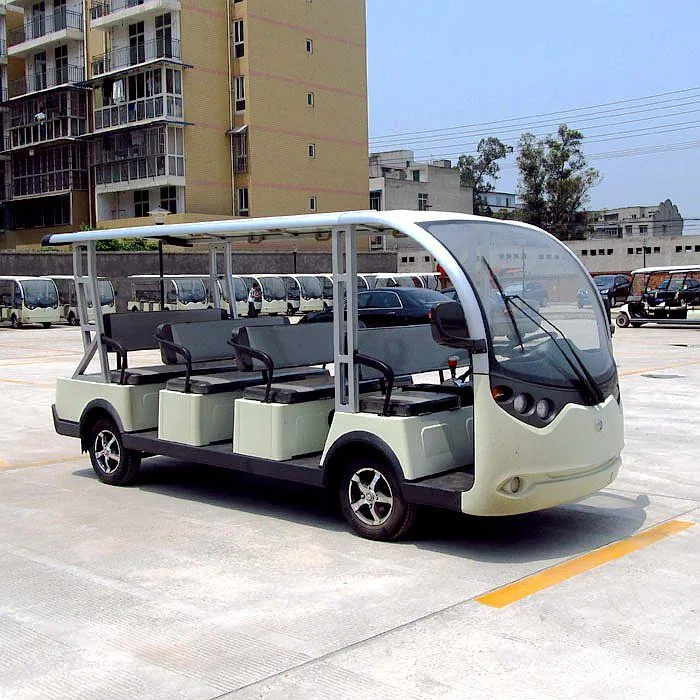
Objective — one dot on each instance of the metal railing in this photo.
(240, 164)
(65, 75)
(141, 168)
(43, 24)
(102, 8)
(135, 55)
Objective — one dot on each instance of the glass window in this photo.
(141, 203)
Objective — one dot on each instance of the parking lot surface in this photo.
(199, 584)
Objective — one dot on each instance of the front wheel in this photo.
(622, 320)
(112, 462)
(290, 310)
(371, 500)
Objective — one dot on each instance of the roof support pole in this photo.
(344, 251)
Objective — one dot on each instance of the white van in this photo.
(68, 299)
(28, 300)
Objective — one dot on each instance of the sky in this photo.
(436, 65)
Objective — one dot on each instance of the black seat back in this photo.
(287, 346)
(406, 349)
(136, 330)
(207, 341)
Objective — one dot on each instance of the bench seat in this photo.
(207, 385)
(309, 389)
(158, 374)
(409, 403)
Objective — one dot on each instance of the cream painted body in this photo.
(423, 445)
(574, 456)
(280, 431)
(30, 316)
(194, 419)
(136, 406)
(67, 310)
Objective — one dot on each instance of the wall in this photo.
(118, 266)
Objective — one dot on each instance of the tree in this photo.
(479, 172)
(555, 180)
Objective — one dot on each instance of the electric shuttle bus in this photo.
(501, 407)
(68, 300)
(304, 293)
(180, 293)
(274, 293)
(29, 300)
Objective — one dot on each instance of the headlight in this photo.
(544, 409)
(522, 403)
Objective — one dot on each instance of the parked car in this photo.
(615, 287)
(388, 306)
(532, 292)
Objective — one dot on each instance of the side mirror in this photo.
(449, 327)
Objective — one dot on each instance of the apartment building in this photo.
(208, 110)
(662, 219)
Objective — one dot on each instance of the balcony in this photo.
(129, 56)
(46, 30)
(67, 75)
(105, 14)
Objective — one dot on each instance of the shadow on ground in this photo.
(563, 531)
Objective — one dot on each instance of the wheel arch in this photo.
(93, 411)
(357, 442)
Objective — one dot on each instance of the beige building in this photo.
(210, 109)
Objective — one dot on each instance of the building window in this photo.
(61, 58)
(310, 99)
(679, 249)
(238, 45)
(426, 258)
(697, 248)
(657, 249)
(416, 175)
(639, 251)
(312, 150)
(164, 35)
(423, 204)
(688, 248)
(601, 252)
(137, 43)
(375, 200)
(168, 199)
(309, 45)
(663, 228)
(176, 151)
(593, 251)
(242, 201)
(584, 253)
(312, 203)
(643, 228)
(610, 251)
(240, 151)
(628, 229)
(630, 251)
(239, 91)
(141, 203)
(404, 259)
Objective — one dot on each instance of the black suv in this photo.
(614, 287)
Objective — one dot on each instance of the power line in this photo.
(537, 116)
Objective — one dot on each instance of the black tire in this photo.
(290, 310)
(46, 324)
(112, 462)
(16, 323)
(370, 479)
(72, 319)
(622, 320)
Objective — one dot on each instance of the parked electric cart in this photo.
(178, 293)
(68, 300)
(665, 295)
(274, 293)
(496, 407)
(304, 293)
(29, 300)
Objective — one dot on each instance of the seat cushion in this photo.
(309, 389)
(157, 374)
(464, 391)
(409, 403)
(238, 381)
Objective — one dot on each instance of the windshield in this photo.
(106, 293)
(292, 288)
(327, 287)
(191, 291)
(604, 280)
(40, 294)
(526, 259)
(310, 287)
(273, 288)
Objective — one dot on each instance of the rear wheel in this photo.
(112, 462)
(72, 319)
(622, 320)
(371, 500)
(16, 323)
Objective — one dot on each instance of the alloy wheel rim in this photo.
(107, 452)
(370, 496)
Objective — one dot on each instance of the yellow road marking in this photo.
(530, 585)
(26, 382)
(46, 463)
(657, 369)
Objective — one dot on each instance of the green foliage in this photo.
(479, 172)
(555, 180)
(130, 245)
